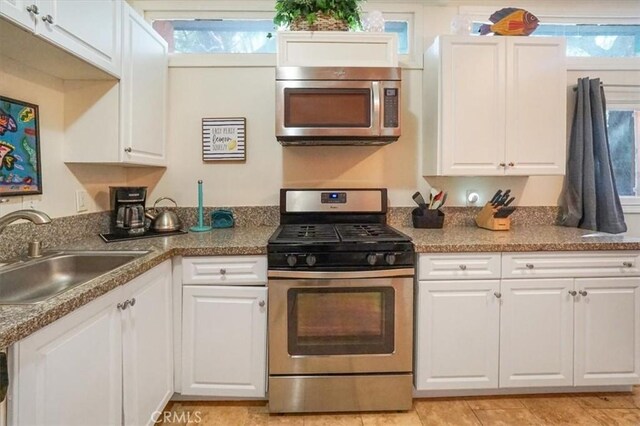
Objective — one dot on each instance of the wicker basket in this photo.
(322, 23)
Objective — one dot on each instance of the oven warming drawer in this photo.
(300, 394)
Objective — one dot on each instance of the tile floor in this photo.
(565, 409)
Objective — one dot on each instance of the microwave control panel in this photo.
(391, 107)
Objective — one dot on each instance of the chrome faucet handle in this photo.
(35, 249)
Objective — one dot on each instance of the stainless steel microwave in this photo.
(337, 105)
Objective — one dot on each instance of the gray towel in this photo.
(590, 199)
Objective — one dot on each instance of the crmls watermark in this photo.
(184, 417)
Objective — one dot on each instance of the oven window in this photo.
(327, 108)
(341, 321)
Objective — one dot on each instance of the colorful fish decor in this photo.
(511, 21)
(7, 122)
(7, 161)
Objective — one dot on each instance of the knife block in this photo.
(485, 219)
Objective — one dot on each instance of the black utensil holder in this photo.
(425, 218)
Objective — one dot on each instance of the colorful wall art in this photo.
(19, 148)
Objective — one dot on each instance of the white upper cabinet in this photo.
(495, 106)
(143, 92)
(88, 29)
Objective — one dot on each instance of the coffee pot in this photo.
(127, 209)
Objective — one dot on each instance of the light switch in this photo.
(81, 201)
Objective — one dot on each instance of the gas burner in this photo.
(369, 232)
(310, 233)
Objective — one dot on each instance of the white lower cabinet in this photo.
(457, 332)
(79, 369)
(536, 333)
(224, 341)
(554, 329)
(607, 344)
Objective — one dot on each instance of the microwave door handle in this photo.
(375, 108)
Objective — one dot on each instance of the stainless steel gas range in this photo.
(340, 304)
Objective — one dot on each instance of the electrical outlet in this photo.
(472, 198)
(81, 201)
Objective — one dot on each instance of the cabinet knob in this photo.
(573, 292)
(48, 19)
(463, 267)
(497, 294)
(123, 306)
(511, 164)
(132, 301)
(583, 292)
(529, 265)
(128, 149)
(627, 264)
(502, 164)
(223, 271)
(33, 9)
(261, 303)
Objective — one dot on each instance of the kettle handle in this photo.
(164, 198)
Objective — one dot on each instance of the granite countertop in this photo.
(458, 239)
(19, 321)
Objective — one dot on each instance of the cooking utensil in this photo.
(432, 194)
(496, 196)
(419, 199)
(166, 220)
(444, 199)
(504, 212)
(437, 200)
(509, 201)
(503, 198)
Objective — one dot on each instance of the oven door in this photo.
(340, 322)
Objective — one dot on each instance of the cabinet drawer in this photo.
(571, 264)
(225, 270)
(463, 266)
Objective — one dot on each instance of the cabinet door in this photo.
(90, 29)
(536, 106)
(70, 372)
(607, 322)
(143, 92)
(536, 333)
(148, 345)
(16, 11)
(457, 334)
(224, 341)
(472, 105)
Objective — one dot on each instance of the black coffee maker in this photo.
(127, 209)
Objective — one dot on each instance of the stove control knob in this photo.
(372, 259)
(390, 258)
(292, 260)
(311, 260)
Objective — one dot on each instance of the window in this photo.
(624, 138)
(592, 40)
(402, 29)
(217, 35)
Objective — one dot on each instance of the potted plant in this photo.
(318, 15)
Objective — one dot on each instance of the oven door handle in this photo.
(332, 275)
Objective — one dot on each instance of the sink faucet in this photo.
(35, 216)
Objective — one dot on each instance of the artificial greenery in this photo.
(287, 11)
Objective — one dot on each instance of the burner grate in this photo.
(369, 232)
(307, 233)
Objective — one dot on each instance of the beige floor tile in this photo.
(332, 420)
(617, 416)
(409, 418)
(560, 410)
(256, 418)
(509, 417)
(494, 403)
(445, 412)
(606, 401)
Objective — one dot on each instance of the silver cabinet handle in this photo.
(497, 294)
(463, 267)
(33, 9)
(123, 306)
(261, 303)
(502, 165)
(573, 292)
(627, 264)
(223, 271)
(48, 19)
(583, 292)
(132, 301)
(511, 164)
(128, 149)
(529, 265)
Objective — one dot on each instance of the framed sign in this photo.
(223, 139)
(19, 148)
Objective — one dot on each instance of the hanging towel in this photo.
(590, 198)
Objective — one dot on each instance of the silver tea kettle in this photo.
(166, 220)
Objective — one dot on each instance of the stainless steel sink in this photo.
(36, 280)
